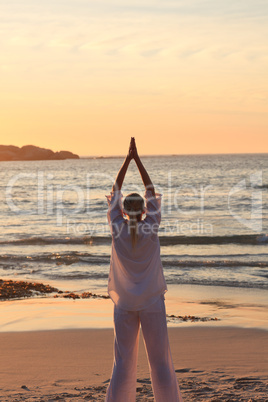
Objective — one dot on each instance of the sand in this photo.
(212, 364)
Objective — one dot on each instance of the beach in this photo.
(212, 364)
(62, 348)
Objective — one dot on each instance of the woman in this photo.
(136, 286)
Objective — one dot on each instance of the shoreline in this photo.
(186, 305)
(220, 364)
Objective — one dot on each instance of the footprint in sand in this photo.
(184, 370)
(144, 380)
(197, 371)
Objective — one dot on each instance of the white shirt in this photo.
(136, 277)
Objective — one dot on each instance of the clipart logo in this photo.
(237, 195)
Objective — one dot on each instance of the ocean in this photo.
(214, 228)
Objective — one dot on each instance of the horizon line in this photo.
(163, 155)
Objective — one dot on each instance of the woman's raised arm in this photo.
(122, 171)
(143, 172)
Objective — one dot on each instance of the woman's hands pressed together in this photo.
(132, 153)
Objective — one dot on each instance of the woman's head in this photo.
(134, 205)
(134, 208)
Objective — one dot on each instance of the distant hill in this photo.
(32, 153)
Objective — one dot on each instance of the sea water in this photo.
(213, 231)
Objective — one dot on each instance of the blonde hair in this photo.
(133, 207)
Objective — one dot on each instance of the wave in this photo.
(58, 240)
(57, 258)
(239, 239)
(81, 258)
(225, 283)
(214, 263)
(260, 186)
(250, 239)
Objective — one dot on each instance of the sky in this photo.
(182, 77)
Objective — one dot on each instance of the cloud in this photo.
(152, 52)
(113, 43)
(19, 9)
(189, 52)
(199, 8)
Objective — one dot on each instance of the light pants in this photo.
(122, 387)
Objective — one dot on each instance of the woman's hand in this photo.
(144, 175)
(134, 149)
(122, 171)
(132, 152)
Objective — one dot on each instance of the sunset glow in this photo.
(181, 76)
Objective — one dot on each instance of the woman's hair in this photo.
(134, 207)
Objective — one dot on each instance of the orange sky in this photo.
(182, 77)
